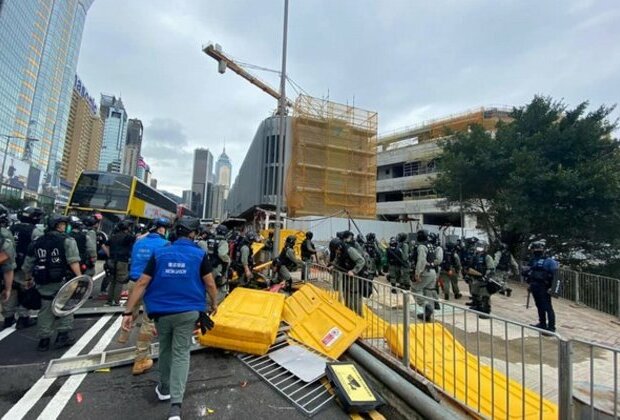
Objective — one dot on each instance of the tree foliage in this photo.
(550, 173)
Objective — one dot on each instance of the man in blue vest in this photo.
(174, 284)
(141, 253)
(542, 277)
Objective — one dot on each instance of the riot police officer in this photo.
(308, 252)
(174, 286)
(25, 232)
(52, 259)
(479, 272)
(425, 274)
(287, 261)
(220, 260)
(352, 263)
(449, 272)
(396, 261)
(86, 246)
(543, 280)
(505, 267)
(141, 253)
(7, 266)
(374, 262)
(119, 244)
(405, 270)
(334, 247)
(433, 240)
(244, 261)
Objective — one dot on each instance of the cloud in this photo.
(409, 61)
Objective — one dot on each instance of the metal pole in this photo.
(6, 151)
(406, 323)
(565, 380)
(282, 114)
(461, 211)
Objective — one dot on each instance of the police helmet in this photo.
(401, 237)
(290, 240)
(4, 215)
(360, 239)
(251, 237)
(537, 248)
(471, 241)
(75, 222)
(370, 237)
(340, 235)
(32, 215)
(162, 222)
(89, 221)
(187, 224)
(347, 235)
(124, 225)
(55, 219)
(422, 235)
(393, 242)
(221, 230)
(309, 235)
(433, 238)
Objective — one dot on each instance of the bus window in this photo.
(102, 191)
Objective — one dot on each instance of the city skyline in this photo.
(41, 45)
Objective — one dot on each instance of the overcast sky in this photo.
(408, 60)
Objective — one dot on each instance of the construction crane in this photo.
(215, 51)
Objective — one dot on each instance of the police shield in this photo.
(72, 295)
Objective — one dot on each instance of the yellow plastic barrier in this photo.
(375, 326)
(444, 361)
(321, 322)
(246, 321)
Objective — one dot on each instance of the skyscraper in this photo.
(132, 147)
(223, 170)
(114, 119)
(84, 135)
(40, 47)
(202, 175)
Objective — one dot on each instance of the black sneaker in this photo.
(63, 339)
(175, 412)
(44, 344)
(8, 322)
(437, 306)
(24, 322)
(162, 395)
(458, 296)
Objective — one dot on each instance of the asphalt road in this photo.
(219, 385)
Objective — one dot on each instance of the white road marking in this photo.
(34, 394)
(6, 332)
(60, 400)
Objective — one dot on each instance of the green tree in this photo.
(550, 173)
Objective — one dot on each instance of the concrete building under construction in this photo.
(329, 164)
(408, 161)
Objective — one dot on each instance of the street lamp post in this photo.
(282, 113)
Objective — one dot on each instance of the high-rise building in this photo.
(141, 168)
(84, 135)
(154, 183)
(223, 170)
(132, 147)
(38, 59)
(216, 201)
(187, 197)
(202, 175)
(114, 119)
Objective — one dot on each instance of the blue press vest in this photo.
(142, 251)
(176, 286)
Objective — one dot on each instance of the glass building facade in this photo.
(40, 42)
(114, 118)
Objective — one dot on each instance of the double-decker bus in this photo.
(117, 197)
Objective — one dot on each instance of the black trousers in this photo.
(542, 298)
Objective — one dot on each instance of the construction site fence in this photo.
(591, 290)
(541, 362)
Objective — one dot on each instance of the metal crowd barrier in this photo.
(542, 363)
(597, 292)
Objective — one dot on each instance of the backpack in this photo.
(22, 233)
(448, 261)
(504, 261)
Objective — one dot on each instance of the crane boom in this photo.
(215, 51)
